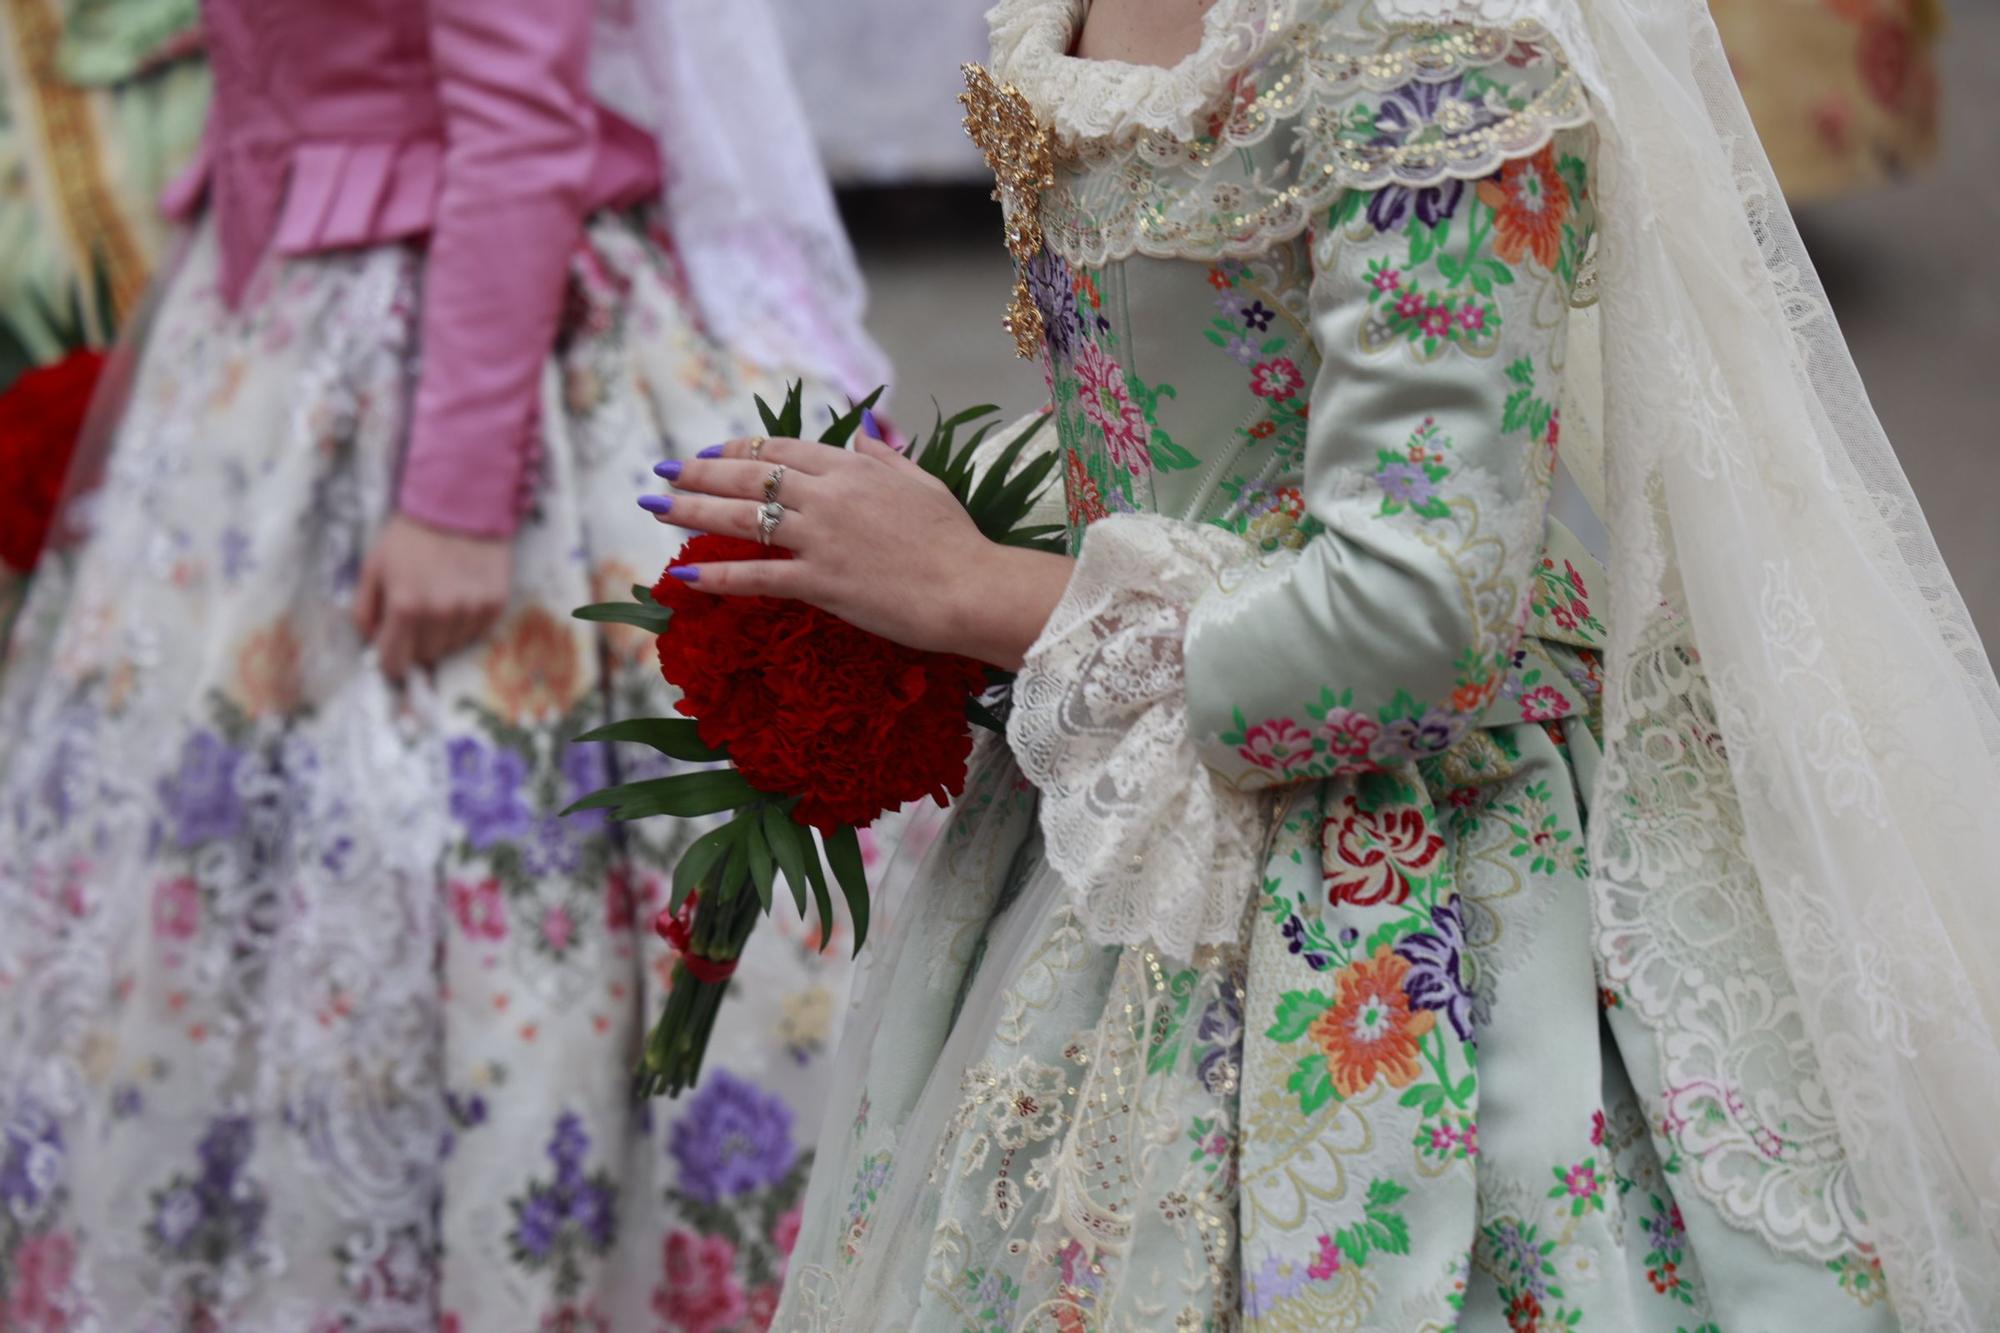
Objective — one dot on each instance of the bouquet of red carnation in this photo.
(41, 416)
(811, 725)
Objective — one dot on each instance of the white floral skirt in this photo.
(313, 1013)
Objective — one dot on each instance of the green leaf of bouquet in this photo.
(845, 424)
(652, 619)
(738, 863)
(767, 416)
(782, 834)
(684, 796)
(675, 737)
(822, 898)
(763, 869)
(843, 854)
(701, 857)
(792, 417)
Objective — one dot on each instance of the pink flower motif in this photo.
(1468, 1139)
(1597, 1129)
(1348, 734)
(1544, 703)
(479, 908)
(1576, 586)
(176, 909)
(1443, 1139)
(1472, 319)
(40, 1301)
(1437, 321)
(557, 928)
(785, 1231)
(1581, 1181)
(762, 1308)
(1218, 1145)
(1278, 378)
(1388, 280)
(1279, 745)
(1326, 1263)
(1108, 404)
(699, 1291)
(1411, 306)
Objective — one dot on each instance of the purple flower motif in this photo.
(1220, 1029)
(536, 1221)
(585, 769)
(1405, 116)
(733, 1138)
(200, 798)
(1051, 287)
(1277, 1281)
(569, 1145)
(178, 1216)
(224, 1150)
(1420, 737)
(1435, 979)
(31, 1165)
(486, 792)
(1517, 1250)
(1665, 1229)
(1243, 350)
(1406, 483)
(216, 1212)
(126, 1101)
(1258, 316)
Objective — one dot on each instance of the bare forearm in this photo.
(1003, 599)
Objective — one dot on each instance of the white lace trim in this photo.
(1161, 149)
(1154, 848)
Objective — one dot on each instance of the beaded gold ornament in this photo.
(1021, 153)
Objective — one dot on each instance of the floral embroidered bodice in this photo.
(1361, 382)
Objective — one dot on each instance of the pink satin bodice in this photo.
(342, 123)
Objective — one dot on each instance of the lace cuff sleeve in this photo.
(1153, 847)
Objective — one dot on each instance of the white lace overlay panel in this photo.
(1154, 848)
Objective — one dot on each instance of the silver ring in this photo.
(757, 447)
(769, 515)
(772, 482)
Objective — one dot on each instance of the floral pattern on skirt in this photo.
(314, 1014)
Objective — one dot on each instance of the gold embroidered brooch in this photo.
(1021, 153)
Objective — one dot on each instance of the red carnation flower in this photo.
(41, 416)
(809, 706)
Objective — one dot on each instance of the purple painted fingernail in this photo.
(671, 469)
(686, 573)
(656, 504)
(713, 451)
(870, 426)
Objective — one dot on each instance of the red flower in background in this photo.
(807, 705)
(41, 416)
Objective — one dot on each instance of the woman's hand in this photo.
(426, 593)
(875, 540)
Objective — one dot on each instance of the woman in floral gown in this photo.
(1364, 926)
(314, 1015)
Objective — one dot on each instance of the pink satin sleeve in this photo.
(520, 139)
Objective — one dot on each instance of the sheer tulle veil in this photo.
(1802, 729)
(747, 201)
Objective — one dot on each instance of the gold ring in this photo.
(772, 482)
(757, 447)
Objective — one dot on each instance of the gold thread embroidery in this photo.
(1021, 153)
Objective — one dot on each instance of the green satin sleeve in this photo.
(1439, 318)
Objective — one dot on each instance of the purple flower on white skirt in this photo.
(733, 1138)
(486, 792)
(1277, 1281)
(200, 796)
(31, 1165)
(1406, 483)
(1420, 737)
(1436, 958)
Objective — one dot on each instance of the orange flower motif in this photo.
(267, 672)
(1530, 203)
(1371, 1032)
(531, 667)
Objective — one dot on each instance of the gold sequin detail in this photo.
(1021, 153)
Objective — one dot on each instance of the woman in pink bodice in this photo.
(313, 1015)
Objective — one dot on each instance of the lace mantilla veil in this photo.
(1802, 730)
(747, 202)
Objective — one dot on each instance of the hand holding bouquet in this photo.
(813, 727)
